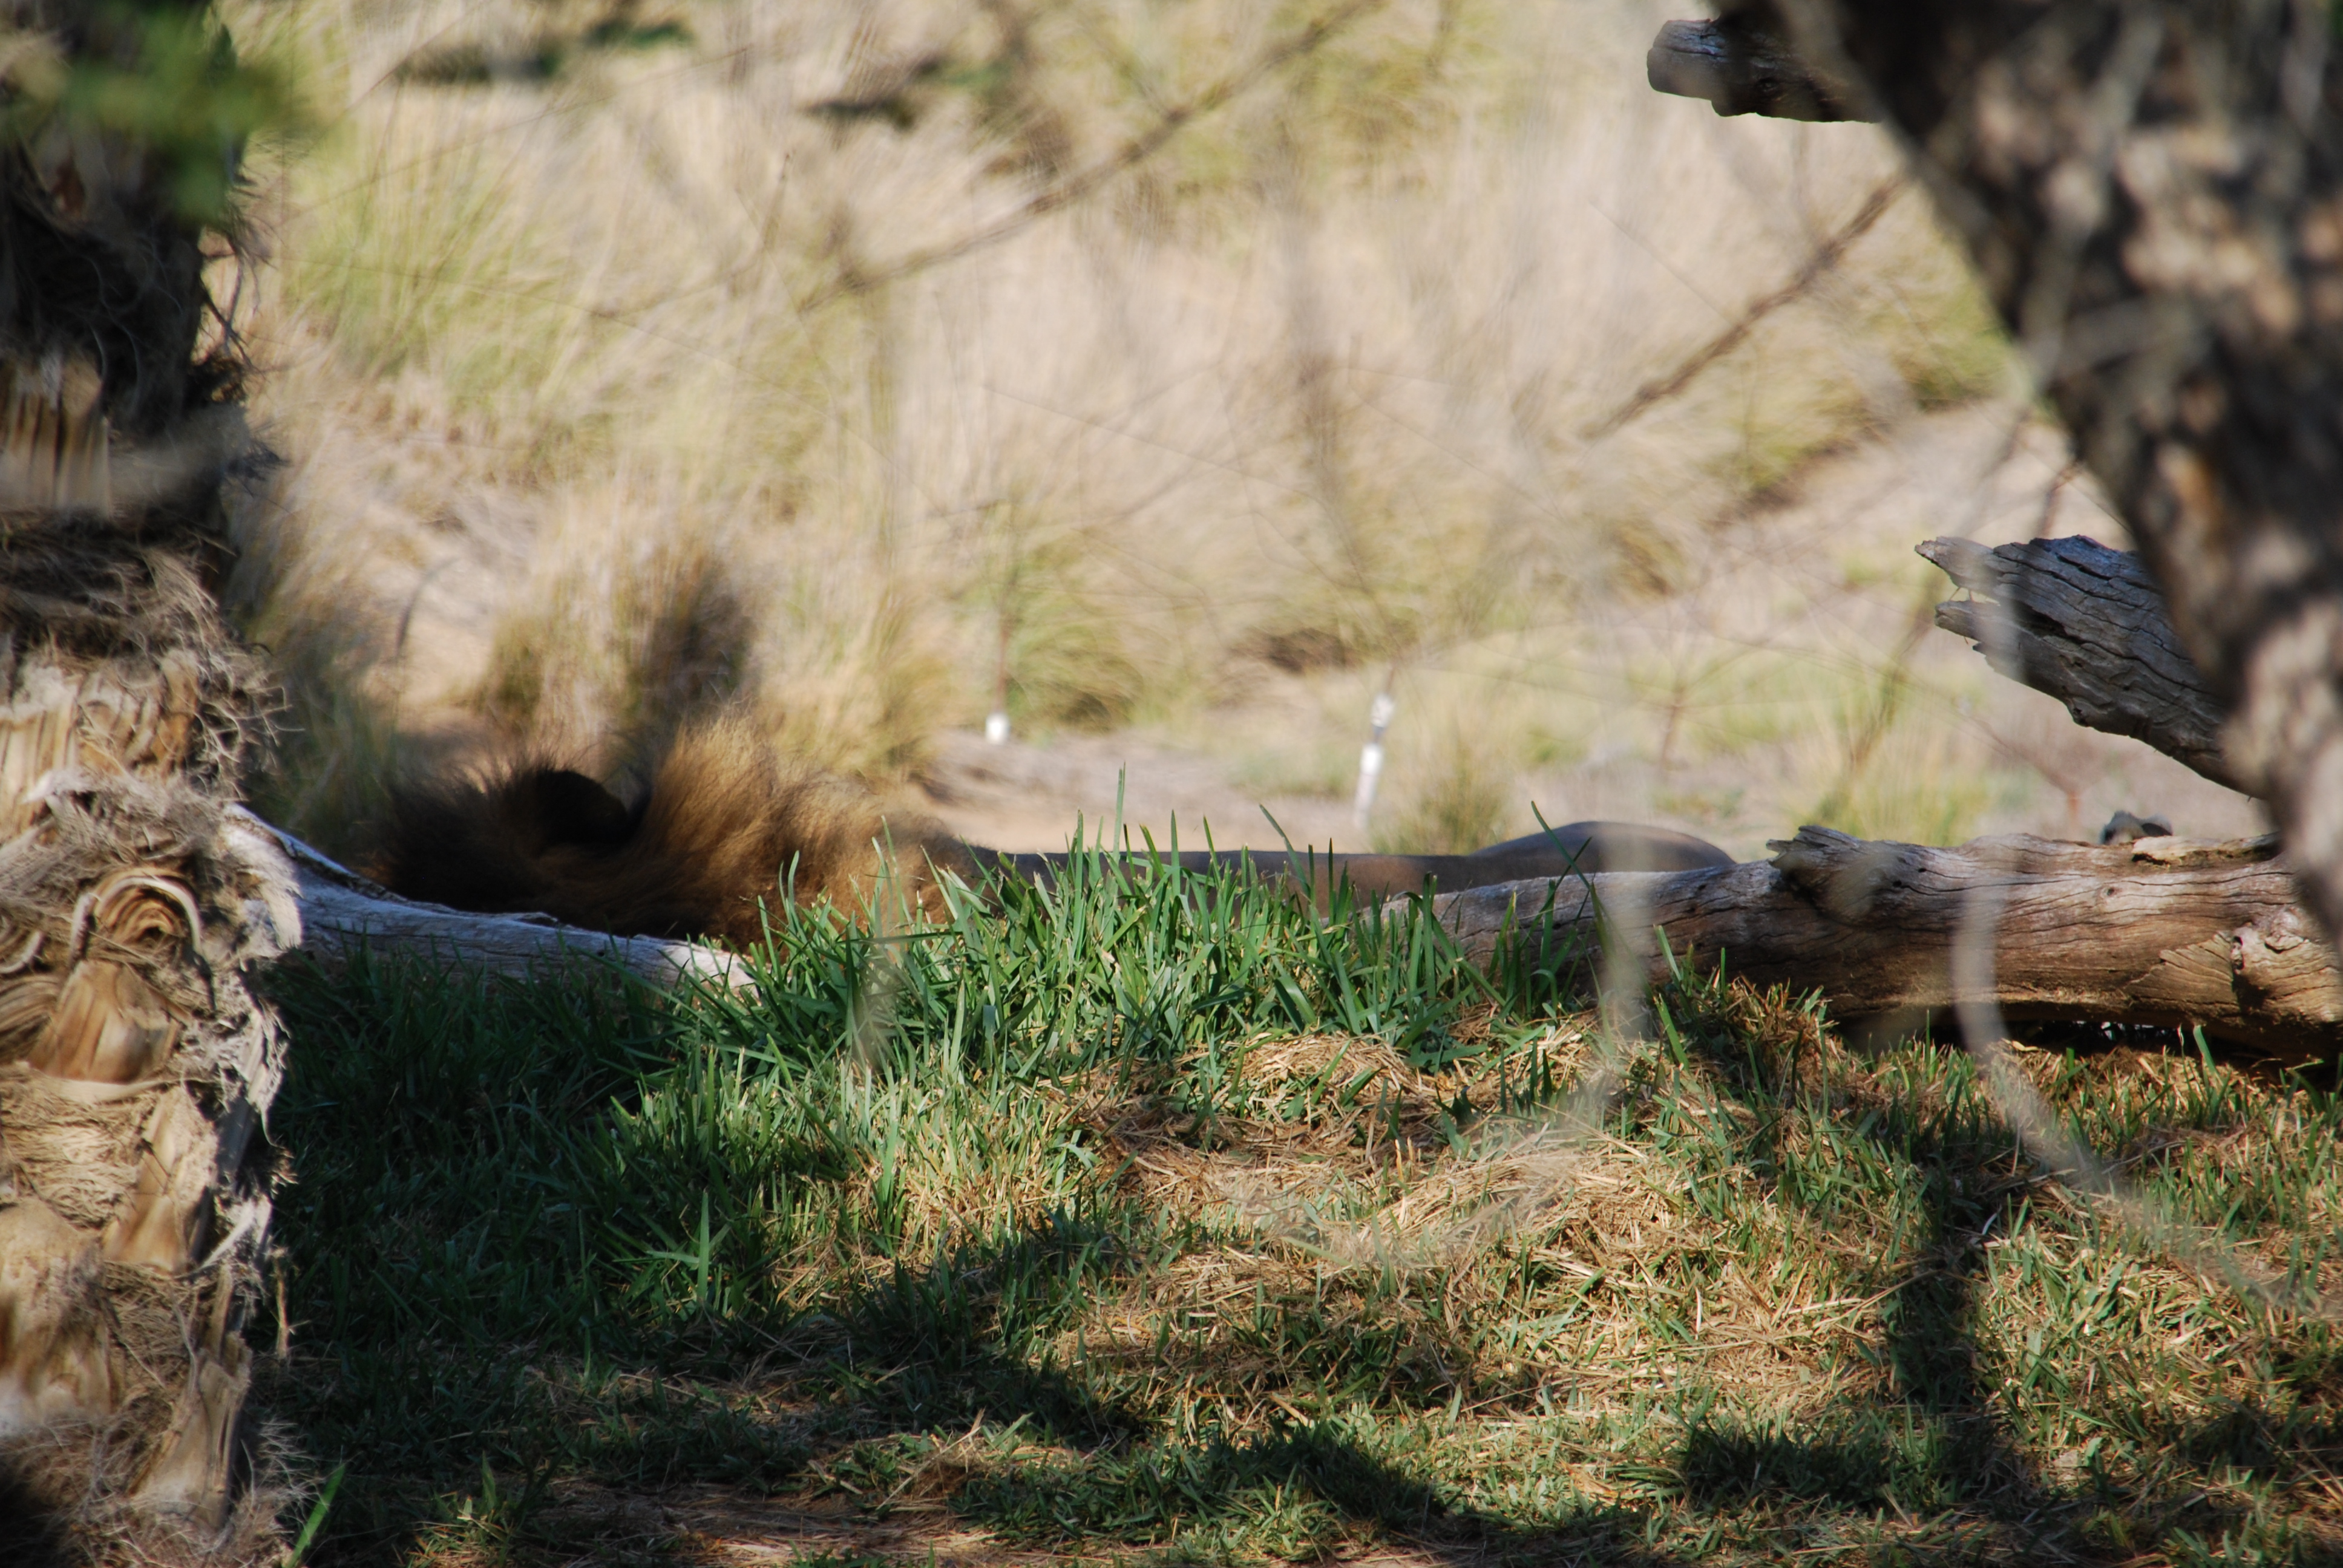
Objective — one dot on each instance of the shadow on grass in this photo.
(1292, 1494)
(862, 1403)
(472, 1346)
(1935, 1442)
(461, 1431)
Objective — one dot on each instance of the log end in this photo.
(1960, 618)
(1965, 561)
(1739, 69)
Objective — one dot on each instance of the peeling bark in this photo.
(2087, 625)
(136, 1066)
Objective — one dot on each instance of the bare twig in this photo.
(1083, 182)
(1659, 390)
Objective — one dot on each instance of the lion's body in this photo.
(723, 825)
(1575, 849)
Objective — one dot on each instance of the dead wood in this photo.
(342, 911)
(2088, 626)
(1559, 851)
(1741, 70)
(2163, 932)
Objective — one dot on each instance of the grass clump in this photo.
(1155, 1215)
(1460, 794)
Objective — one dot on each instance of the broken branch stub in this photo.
(2163, 932)
(1740, 69)
(2088, 626)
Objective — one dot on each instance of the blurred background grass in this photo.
(1188, 373)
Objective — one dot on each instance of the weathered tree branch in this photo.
(1740, 70)
(2162, 931)
(340, 911)
(2088, 625)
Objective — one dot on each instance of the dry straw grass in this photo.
(846, 356)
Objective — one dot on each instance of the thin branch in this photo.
(1654, 392)
(1131, 154)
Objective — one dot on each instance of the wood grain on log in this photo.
(2162, 931)
(2088, 626)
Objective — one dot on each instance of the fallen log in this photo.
(2088, 625)
(2162, 931)
(1573, 848)
(342, 913)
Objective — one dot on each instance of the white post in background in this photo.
(996, 723)
(1371, 760)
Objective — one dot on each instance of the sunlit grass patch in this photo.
(1158, 1215)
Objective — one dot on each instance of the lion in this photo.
(720, 826)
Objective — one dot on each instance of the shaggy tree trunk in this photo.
(2161, 931)
(2153, 193)
(2088, 625)
(136, 1065)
